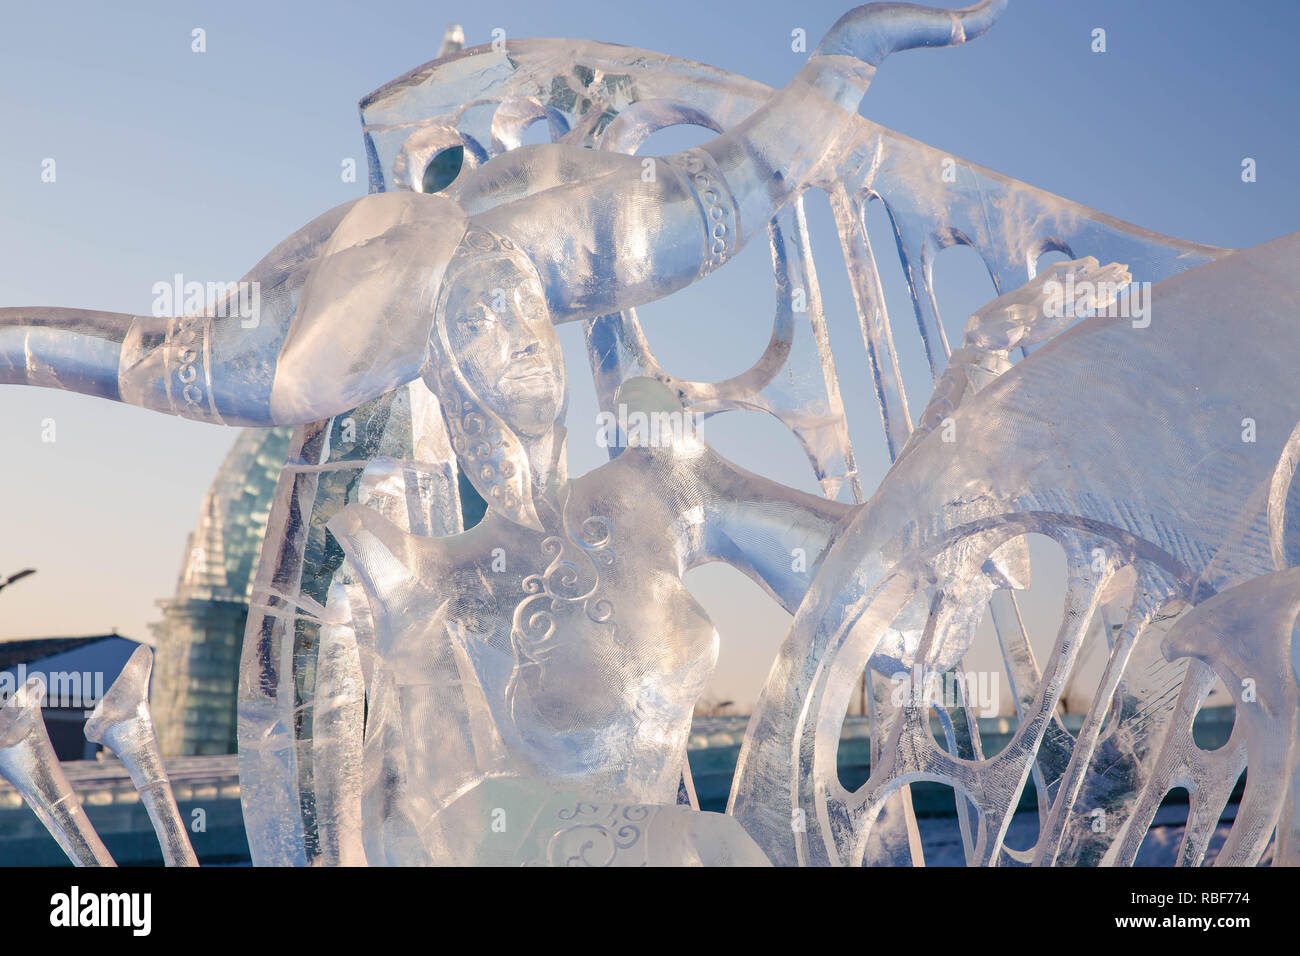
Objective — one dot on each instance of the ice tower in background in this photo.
(199, 638)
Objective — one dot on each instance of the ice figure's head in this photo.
(495, 362)
(500, 336)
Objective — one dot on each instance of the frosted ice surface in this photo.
(522, 691)
(121, 722)
(1160, 505)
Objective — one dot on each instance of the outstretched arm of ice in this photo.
(1027, 316)
(334, 316)
(648, 227)
(340, 312)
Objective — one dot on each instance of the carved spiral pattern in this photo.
(564, 582)
(599, 842)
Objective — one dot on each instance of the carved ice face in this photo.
(503, 341)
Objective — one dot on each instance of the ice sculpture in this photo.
(347, 302)
(121, 722)
(1161, 507)
(410, 691)
(197, 642)
(571, 652)
(27, 761)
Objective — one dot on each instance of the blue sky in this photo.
(170, 161)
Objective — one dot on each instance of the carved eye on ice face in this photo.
(477, 321)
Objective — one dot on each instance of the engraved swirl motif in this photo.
(562, 582)
(599, 842)
(571, 578)
(481, 443)
(578, 810)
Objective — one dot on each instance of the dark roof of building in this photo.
(23, 650)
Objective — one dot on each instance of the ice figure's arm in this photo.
(420, 642)
(774, 534)
(334, 316)
(205, 367)
(74, 349)
(156, 362)
(1030, 315)
(650, 227)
